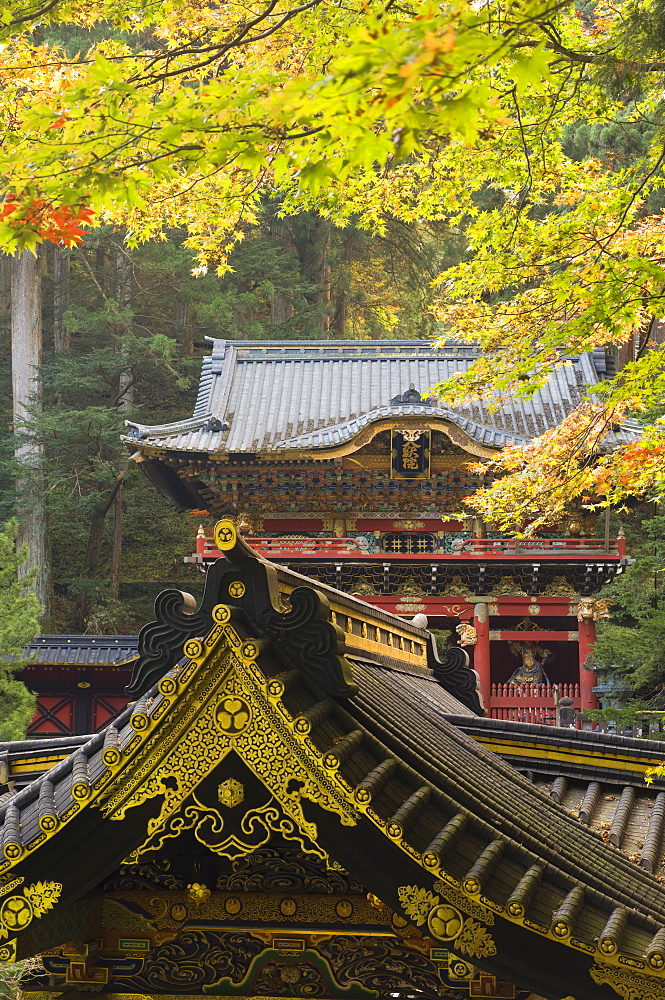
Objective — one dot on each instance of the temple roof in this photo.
(337, 728)
(270, 397)
(82, 650)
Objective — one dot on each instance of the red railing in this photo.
(288, 547)
(530, 702)
(490, 547)
(472, 548)
(306, 546)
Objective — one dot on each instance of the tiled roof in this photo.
(413, 808)
(551, 751)
(111, 650)
(597, 777)
(266, 396)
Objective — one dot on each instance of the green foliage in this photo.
(19, 625)
(632, 646)
(136, 321)
(639, 715)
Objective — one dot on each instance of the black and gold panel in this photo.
(410, 454)
(209, 958)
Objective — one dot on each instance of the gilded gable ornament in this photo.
(457, 587)
(410, 587)
(230, 793)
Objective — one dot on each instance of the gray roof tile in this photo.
(268, 396)
(82, 649)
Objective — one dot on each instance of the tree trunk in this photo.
(341, 318)
(125, 395)
(281, 303)
(92, 558)
(61, 267)
(101, 259)
(186, 325)
(281, 307)
(27, 400)
(324, 294)
(312, 243)
(93, 553)
(5, 288)
(116, 549)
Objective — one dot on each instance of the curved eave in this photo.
(330, 443)
(453, 827)
(341, 439)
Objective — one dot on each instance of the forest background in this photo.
(372, 172)
(123, 333)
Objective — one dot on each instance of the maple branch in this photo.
(220, 49)
(589, 58)
(35, 14)
(159, 156)
(91, 273)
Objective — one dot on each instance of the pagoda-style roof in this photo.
(258, 713)
(327, 398)
(82, 650)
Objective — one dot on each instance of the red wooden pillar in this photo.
(588, 678)
(481, 653)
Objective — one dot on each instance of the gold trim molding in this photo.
(367, 434)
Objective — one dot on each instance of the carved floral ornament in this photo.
(446, 922)
(19, 909)
(628, 983)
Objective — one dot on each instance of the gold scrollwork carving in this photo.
(445, 922)
(627, 983)
(221, 708)
(209, 828)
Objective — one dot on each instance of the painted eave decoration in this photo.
(343, 749)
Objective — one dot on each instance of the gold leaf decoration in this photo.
(475, 940)
(42, 896)
(17, 912)
(8, 951)
(230, 793)
(469, 906)
(446, 922)
(417, 902)
(198, 893)
(628, 984)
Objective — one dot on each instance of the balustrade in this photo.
(531, 702)
(421, 546)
